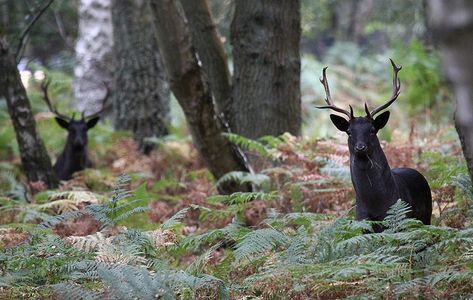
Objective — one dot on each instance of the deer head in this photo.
(361, 131)
(77, 129)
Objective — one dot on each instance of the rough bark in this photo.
(141, 91)
(265, 36)
(192, 92)
(93, 54)
(34, 159)
(452, 23)
(209, 47)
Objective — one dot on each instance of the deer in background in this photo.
(377, 186)
(74, 157)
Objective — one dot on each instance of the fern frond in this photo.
(52, 221)
(259, 242)
(242, 197)
(243, 177)
(74, 291)
(83, 269)
(396, 216)
(89, 243)
(77, 196)
(334, 169)
(160, 237)
(61, 206)
(123, 254)
(248, 144)
(128, 282)
(197, 266)
(463, 182)
(134, 211)
(449, 276)
(16, 190)
(271, 141)
(175, 220)
(120, 190)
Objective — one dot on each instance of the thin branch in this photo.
(28, 27)
(62, 31)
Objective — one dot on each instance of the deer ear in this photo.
(63, 123)
(340, 122)
(92, 122)
(381, 120)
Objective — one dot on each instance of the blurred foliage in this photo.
(360, 78)
(382, 23)
(422, 73)
(51, 40)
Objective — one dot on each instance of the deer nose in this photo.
(360, 147)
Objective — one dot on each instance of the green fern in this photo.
(396, 218)
(107, 213)
(175, 220)
(243, 177)
(259, 242)
(13, 188)
(248, 144)
(239, 198)
(75, 291)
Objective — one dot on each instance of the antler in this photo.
(396, 91)
(104, 101)
(44, 87)
(328, 98)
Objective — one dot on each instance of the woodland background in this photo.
(171, 209)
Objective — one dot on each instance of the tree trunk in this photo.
(265, 36)
(209, 47)
(141, 93)
(349, 19)
(452, 23)
(192, 92)
(93, 54)
(34, 158)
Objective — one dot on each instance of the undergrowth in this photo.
(287, 255)
(294, 236)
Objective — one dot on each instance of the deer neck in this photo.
(371, 176)
(75, 158)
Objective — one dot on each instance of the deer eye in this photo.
(349, 132)
(373, 130)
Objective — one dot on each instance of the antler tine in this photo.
(396, 90)
(328, 97)
(104, 101)
(44, 87)
(368, 114)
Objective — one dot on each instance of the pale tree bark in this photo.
(141, 91)
(192, 92)
(34, 159)
(93, 54)
(452, 23)
(265, 35)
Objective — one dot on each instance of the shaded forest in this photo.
(236, 149)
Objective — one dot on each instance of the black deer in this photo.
(377, 186)
(74, 157)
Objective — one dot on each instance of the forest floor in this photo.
(303, 186)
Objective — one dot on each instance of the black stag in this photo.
(377, 186)
(74, 157)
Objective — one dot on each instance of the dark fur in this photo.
(74, 157)
(377, 186)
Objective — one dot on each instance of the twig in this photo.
(28, 28)
(62, 31)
